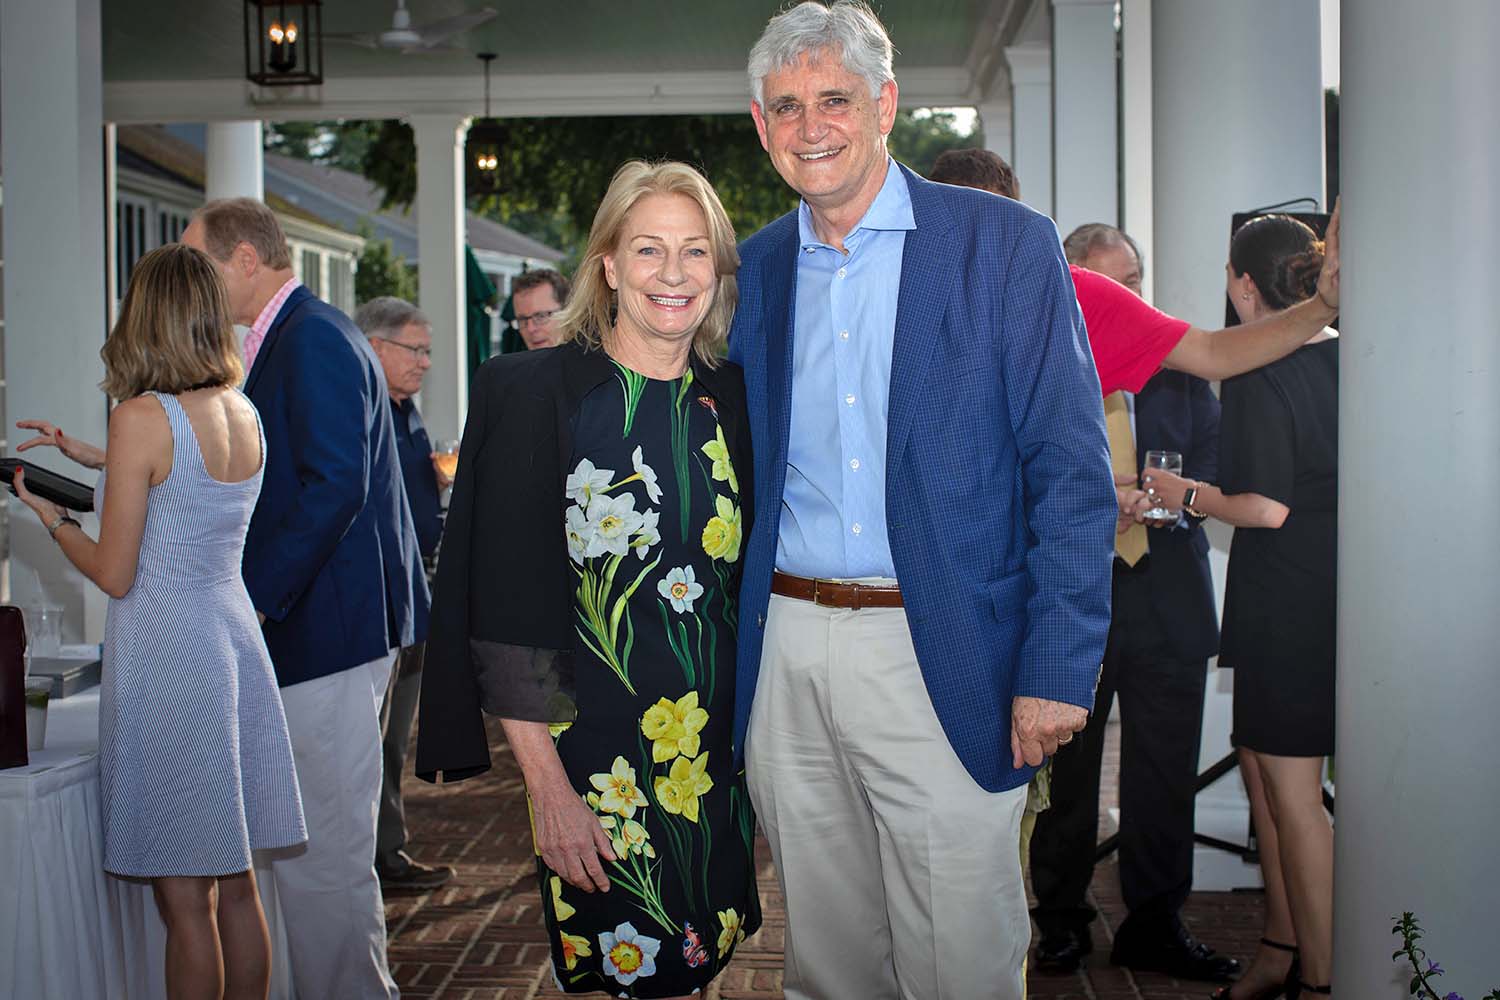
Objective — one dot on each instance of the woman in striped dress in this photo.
(196, 767)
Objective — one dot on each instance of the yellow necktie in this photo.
(1132, 544)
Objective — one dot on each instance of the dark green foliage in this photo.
(381, 272)
(557, 169)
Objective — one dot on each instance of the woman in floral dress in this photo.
(587, 595)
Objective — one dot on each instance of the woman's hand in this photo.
(570, 839)
(81, 452)
(1168, 488)
(48, 511)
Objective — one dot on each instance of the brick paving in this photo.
(481, 936)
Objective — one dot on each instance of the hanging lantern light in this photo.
(284, 42)
(483, 145)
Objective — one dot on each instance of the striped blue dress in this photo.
(195, 763)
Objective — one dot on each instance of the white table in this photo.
(68, 930)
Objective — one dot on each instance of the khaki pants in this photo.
(330, 899)
(902, 876)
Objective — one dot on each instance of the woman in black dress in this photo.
(1278, 464)
(587, 595)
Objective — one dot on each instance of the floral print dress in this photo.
(653, 521)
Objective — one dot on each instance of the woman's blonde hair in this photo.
(590, 312)
(175, 330)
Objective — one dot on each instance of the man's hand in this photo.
(1328, 278)
(1038, 727)
(438, 462)
(1133, 502)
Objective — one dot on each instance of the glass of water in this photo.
(1168, 461)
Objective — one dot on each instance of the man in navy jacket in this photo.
(926, 585)
(331, 565)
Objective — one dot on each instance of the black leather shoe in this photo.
(1168, 948)
(1063, 951)
(407, 875)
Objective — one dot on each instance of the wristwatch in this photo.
(62, 520)
(1188, 497)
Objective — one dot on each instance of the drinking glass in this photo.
(447, 460)
(43, 630)
(1168, 461)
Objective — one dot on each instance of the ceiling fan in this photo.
(407, 39)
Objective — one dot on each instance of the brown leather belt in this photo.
(835, 595)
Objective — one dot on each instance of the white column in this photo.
(1237, 124)
(1418, 682)
(234, 163)
(1135, 137)
(1031, 108)
(1084, 109)
(441, 281)
(53, 165)
(995, 118)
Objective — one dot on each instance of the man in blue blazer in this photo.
(926, 590)
(331, 565)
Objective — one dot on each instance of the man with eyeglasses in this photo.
(401, 337)
(537, 296)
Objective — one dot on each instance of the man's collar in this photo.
(891, 210)
(273, 306)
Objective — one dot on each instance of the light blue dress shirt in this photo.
(833, 523)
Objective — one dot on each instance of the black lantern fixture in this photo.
(483, 145)
(284, 42)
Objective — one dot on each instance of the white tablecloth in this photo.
(68, 930)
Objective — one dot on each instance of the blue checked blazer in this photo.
(999, 498)
(331, 553)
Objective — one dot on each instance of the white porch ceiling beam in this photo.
(512, 96)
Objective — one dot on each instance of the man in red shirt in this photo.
(1131, 340)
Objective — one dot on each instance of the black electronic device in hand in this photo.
(61, 490)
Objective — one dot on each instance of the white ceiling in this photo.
(183, 60)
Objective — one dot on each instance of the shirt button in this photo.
(849, 399)
(843, 334)
(856, 528)
(842, 271)
(854, 463)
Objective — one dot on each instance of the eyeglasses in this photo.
(536, 317)
(421, 352)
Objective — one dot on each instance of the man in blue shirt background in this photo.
(402, 339)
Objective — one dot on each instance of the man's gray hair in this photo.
(387, 316)
(848, 27)
(1092, 236)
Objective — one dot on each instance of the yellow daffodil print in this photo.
(617, 790)
(673, 727)
(559, 907)
(723, 471)
(556, 729)
(574, 948)
(687, 780)
(721, 535)
(732, 931)
(632, 838)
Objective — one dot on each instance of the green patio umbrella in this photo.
(481, 296)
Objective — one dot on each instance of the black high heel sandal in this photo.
(1273, 992)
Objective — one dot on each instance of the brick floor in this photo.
(481, 936)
